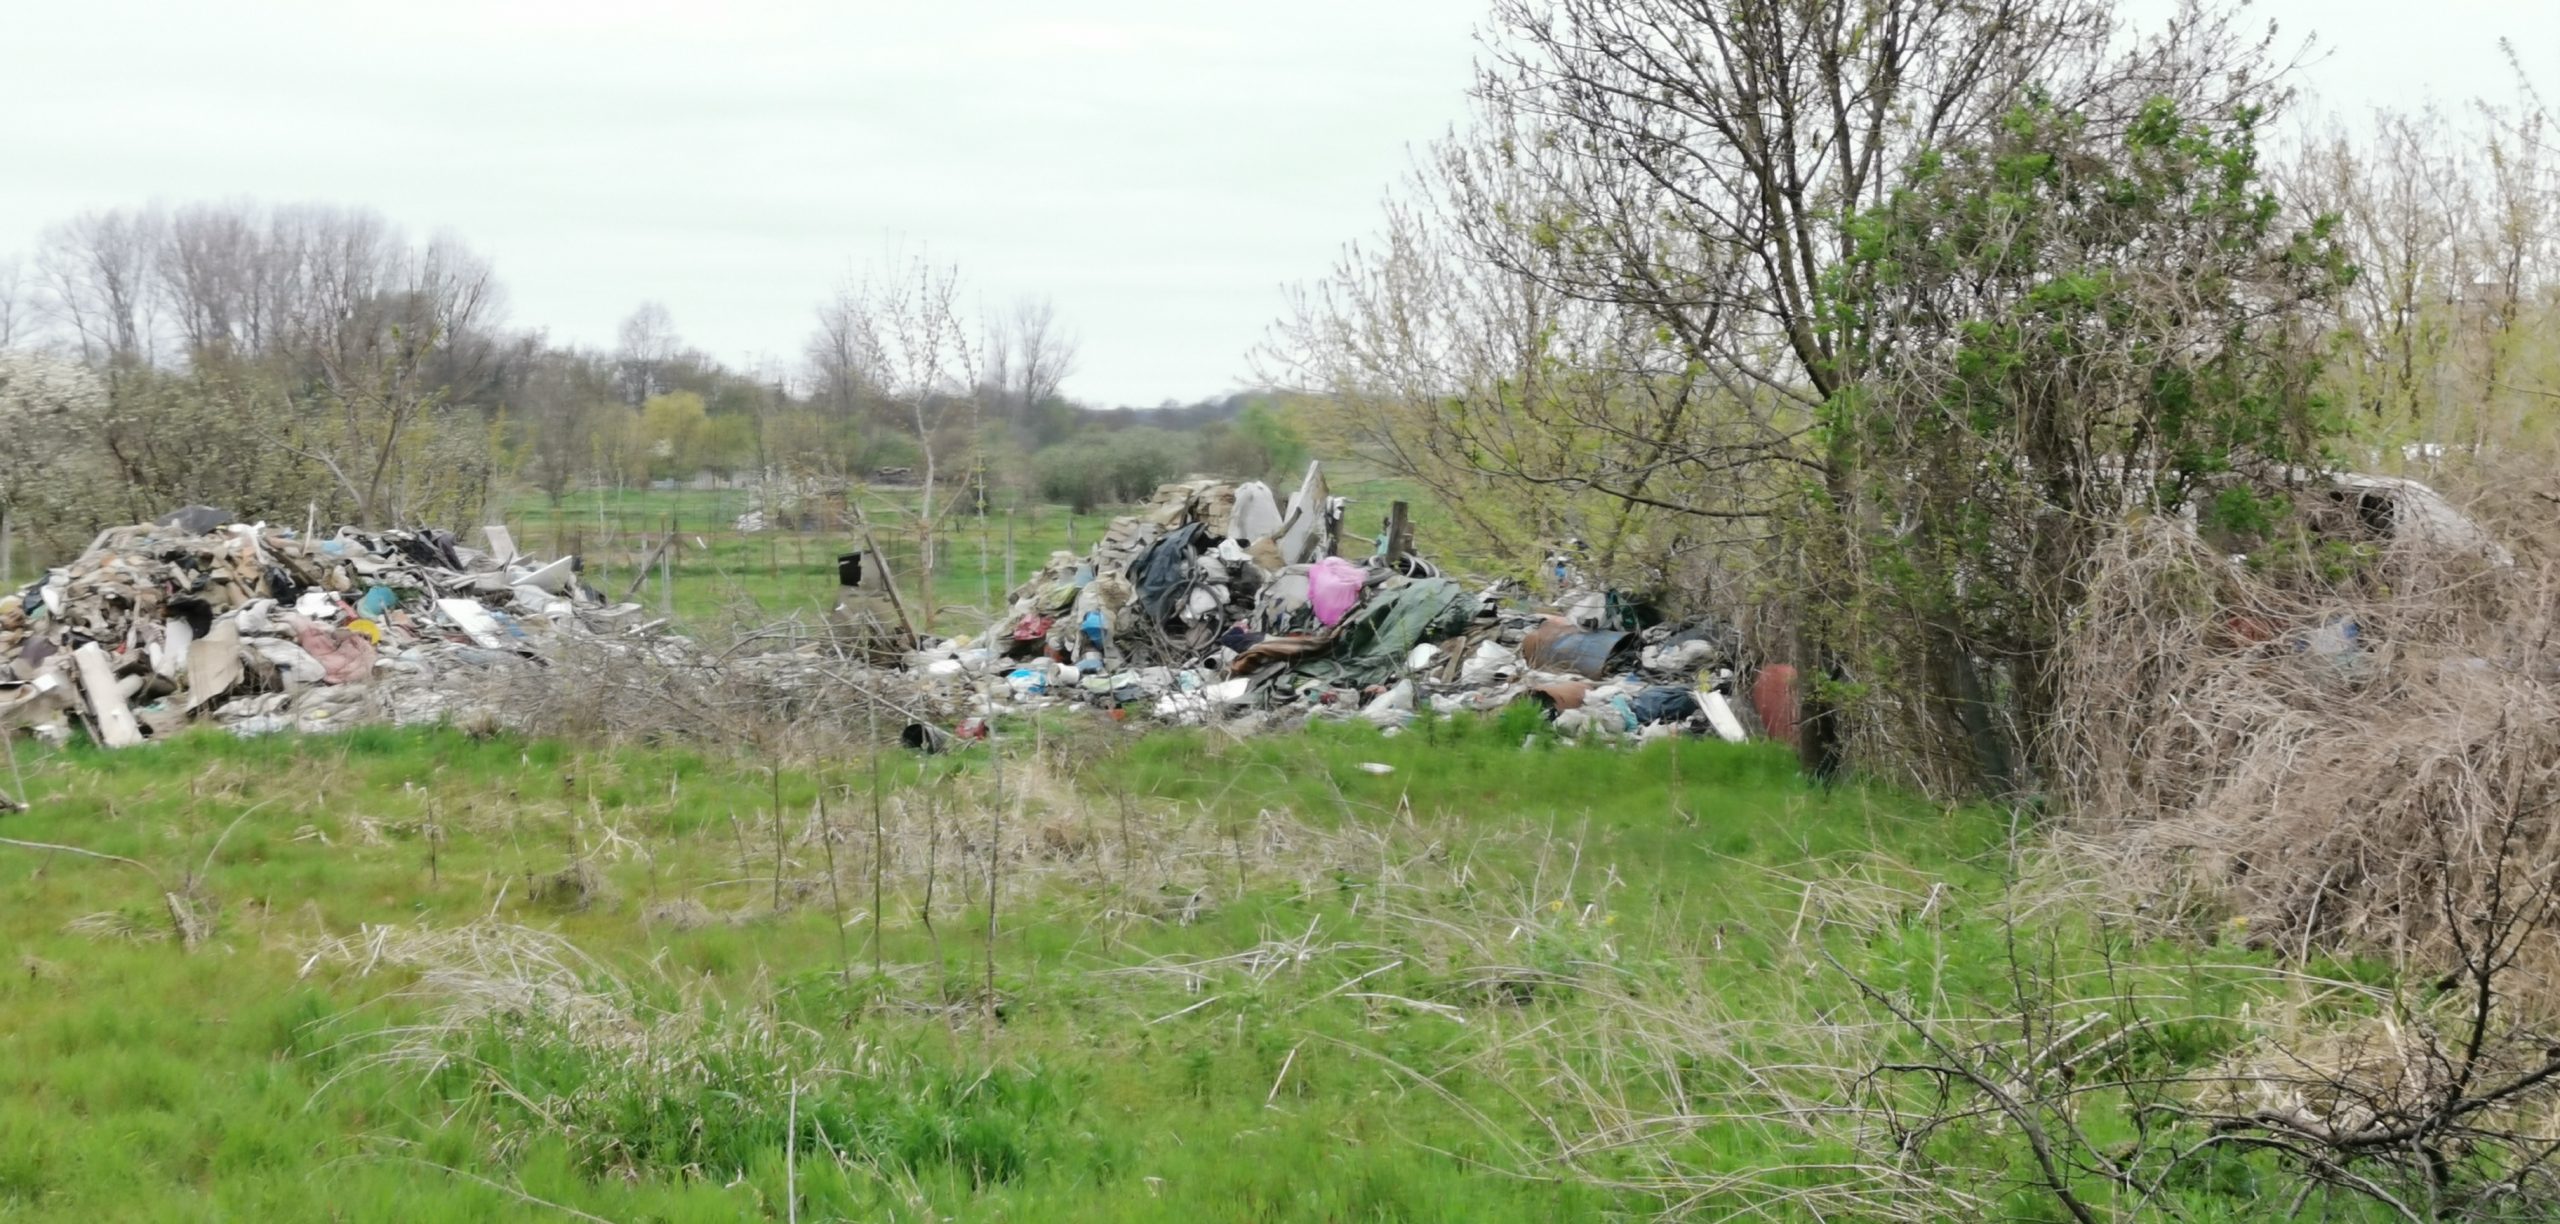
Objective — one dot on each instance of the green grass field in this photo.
(1459, 974)
(724, 577)
(421, 976)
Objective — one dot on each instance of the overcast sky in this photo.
(1162, 170)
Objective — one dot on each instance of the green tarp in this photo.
(1370, 645)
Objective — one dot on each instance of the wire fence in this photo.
(784, 558)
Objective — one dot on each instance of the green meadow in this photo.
(419, 975)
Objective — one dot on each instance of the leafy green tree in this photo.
(1613, 287)
(676, 429)
(1259, 445)
(1076, 474)
(729, 443)
(1145, 457)
(2056, 325)
(803, 442)
(1111, 466)
(621, 444)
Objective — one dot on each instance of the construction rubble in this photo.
(260, 628)
(1216, 604)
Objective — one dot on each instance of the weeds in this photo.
(1235, 979)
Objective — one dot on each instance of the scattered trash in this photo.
(502, 544)
(924, 737)
(194, 520)
(1773, 700)
(1181, 613)
(1720, 716)
(1208, 605)
(1333, 586)
(548, 579)
(117, 727)
(1491, 661)
(1561, 696)
(1374, 767)
(472, 619)
(1665, 703)
(1557, 645)
(1392, 708)
(261, 628)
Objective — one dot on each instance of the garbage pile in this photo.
(1216, 604)
(261, 628)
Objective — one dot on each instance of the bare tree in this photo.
(1029, 355)
(841, 381)
(206, 271)
(96, 271)
(387, 335)
(15, 323)
(561, 394)
(1699, 163)
(1538, 414)
(2454, 221)
(648, 346)
(409, 352)
(897, 332)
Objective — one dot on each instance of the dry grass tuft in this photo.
(682, 914)
(107, 925)
(794, 701)
(483, 971)
(2381, 797)
(574, 887)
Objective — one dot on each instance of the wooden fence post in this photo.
(667, 572)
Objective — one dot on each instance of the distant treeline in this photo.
(277, 359)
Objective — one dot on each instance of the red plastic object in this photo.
(1773, 698)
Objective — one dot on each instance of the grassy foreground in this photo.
(420, 976)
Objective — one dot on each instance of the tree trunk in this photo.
(1820, 744)
(1819, 747)
(1959, 689)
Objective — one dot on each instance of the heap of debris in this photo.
(263, 628)
(1216, 604)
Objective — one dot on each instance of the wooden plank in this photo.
(667, 573)
(880, 565)
(475, 622)
(646, 564)
(107, 706)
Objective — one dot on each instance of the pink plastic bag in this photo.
(1333, 586)
(345, 655)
